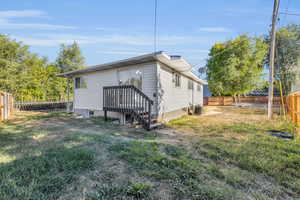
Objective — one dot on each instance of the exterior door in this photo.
(130, 76)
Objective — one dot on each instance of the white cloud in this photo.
(133, 40)
(21, 13)
(7, 16)
(215, 29)
(55, 40)
(8, 25)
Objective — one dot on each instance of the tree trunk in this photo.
(234, 99)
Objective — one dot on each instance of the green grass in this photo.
(43, 176)
(129, 191)
(47, 116)
(277, 158)
(177, 167)
(229, 157)
(246, 145)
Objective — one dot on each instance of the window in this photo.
(177, 79)
(80, 83)
(198, 87)
(132, 76)
(190, 85)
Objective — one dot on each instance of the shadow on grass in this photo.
(44, 176)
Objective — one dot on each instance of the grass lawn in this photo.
(221, 156)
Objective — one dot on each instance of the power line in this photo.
(284, 18)
(285, 13)
(155, 25)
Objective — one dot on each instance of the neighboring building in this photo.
(164, 82)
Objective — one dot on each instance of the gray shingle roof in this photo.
(121, 63)
(159, 56)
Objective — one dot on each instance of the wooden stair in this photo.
(128, 99)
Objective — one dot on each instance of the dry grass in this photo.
(237, 138)
(221, 156)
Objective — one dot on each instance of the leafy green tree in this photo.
(70, 58)
(235, 66)
(287, 55)
(27, 76)
(12, 55)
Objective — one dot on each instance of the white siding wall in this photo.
(157, 79)
(149, 84)
(173, 98)
(91, 97)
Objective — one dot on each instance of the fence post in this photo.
(292, 107)
(298, 109)
(295, 109)
(288, 103)
(1, 106)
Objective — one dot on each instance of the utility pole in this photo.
(272, 57)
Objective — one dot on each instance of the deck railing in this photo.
(129, 100)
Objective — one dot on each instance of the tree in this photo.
(27, 76)
(70, 58)
(235, 66)
(12, 55)
(287, 55)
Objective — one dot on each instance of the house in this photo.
(151, 87)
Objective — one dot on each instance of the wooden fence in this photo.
(229, 101)
(293, 107)
(6, 105)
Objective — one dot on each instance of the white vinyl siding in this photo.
(92, 97)
(157, 83)
(150, 83)
(172, 98)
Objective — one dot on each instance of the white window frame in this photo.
(190, 84)
(176, 80)
(82, 83)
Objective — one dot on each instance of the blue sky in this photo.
(116, 29)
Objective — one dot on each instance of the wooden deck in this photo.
(130, 100)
